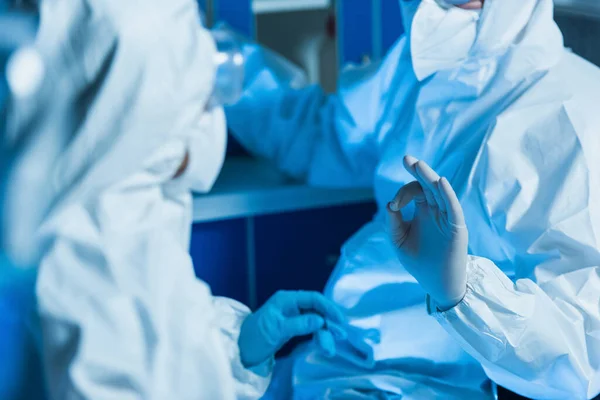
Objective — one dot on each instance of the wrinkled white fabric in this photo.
(431, 26)
(122, 313)
(513, 124)
(206, 151)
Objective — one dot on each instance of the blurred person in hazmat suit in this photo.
(488, 96)
(98, 169)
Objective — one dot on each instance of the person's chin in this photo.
(473, 5)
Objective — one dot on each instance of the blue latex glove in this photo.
(352, 343)
(284, 316)
(328, 335)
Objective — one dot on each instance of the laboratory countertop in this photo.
(273, 6)
(249, 187)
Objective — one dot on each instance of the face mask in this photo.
(206, 151)
(440, 37)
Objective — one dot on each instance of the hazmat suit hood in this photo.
(446, 37)
(115, 280)
(126, 102)
(107, 104)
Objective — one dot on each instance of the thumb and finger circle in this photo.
(398, 226)
(423, 189)
(407, 193)
(429, 186)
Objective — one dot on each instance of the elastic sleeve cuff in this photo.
(251, 383)
(475, 275)
(474, 322)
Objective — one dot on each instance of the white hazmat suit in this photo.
(494, 102)
(122, 314)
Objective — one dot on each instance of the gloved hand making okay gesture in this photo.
(433, 246)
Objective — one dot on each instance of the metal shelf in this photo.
(274, 6)
(249, 187)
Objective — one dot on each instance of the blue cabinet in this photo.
(237, 13)
(220, 254)
(391, 24)
(367, 29)
(251, 259)
(298, 251)
(355, 32)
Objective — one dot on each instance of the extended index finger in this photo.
(453, 207)
(406, 194)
